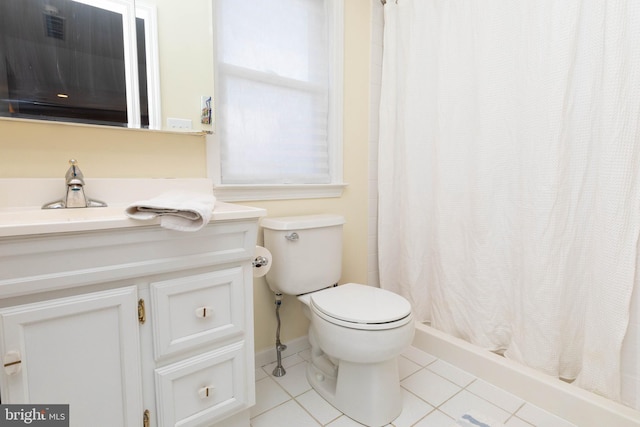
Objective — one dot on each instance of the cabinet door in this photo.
(82, 351)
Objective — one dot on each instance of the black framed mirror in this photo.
(74, 60)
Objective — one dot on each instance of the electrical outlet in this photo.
(179, 124)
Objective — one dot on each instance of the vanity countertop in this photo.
(23, 222)
(21, 215)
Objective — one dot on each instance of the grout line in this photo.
(519, 407)
(309, 413)
(511, 414)
(519, 419)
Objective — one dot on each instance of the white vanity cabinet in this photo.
(68, 351)
(133, 325)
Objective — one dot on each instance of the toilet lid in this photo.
(361, 304)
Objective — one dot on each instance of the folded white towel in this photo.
(178, 210)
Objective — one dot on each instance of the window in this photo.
(279, 98)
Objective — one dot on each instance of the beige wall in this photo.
(186, 58)
(39, 149)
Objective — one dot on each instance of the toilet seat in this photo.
(361, 307)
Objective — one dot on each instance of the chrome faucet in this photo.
(75, 197)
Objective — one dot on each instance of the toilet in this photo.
(356, 331)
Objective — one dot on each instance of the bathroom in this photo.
(32, 150)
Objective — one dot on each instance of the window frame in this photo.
(244, 192)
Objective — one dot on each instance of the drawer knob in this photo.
(12, 362)
(204, 312)
(205, 392)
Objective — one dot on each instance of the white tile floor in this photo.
(434, 393)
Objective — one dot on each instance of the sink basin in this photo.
(21, 221)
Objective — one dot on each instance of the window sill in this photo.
(238, 193)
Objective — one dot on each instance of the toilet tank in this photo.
(306, 250)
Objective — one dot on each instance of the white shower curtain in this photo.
(509, 197)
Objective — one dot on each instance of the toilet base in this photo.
(368, 393)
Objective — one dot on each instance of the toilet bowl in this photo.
(356, 331)
(354, 358)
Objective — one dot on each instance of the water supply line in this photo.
(279, 370)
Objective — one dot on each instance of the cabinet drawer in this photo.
(199, 309)
(62, 261)
(203, 389)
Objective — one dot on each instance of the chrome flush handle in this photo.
(292, 236)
